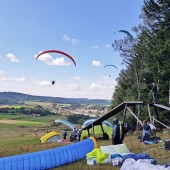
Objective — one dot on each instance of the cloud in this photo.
(2, 72)
(76, 78)
(20, 79)
(4, 79)
(48, 59)
(44, 83)
(97, 86)
(95, 46)
(72, 40)
(96, 63)
(108, 46)
(73, 87)
(12, 58)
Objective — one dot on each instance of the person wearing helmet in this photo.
(116, 136)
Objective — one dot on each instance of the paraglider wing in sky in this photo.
(126, 32)
(110, 65)
(56, 51)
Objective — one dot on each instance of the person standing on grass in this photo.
(75, 134)
(79, 134)
(116, 136)
(64, 135)
(126, 127)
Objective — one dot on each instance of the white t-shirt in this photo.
(152, 127)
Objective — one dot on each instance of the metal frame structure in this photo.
(126, 106)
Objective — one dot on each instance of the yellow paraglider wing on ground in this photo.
(44, 138)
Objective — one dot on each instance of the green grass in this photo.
(98, 131)
(17, 116)
(41, 119)
(10, 142)
(44, 104)
(19, 106)
(27, 123)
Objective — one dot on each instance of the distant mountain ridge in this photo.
(18, 98)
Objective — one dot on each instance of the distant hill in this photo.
(19, 98)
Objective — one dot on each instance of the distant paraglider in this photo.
(56, 51)
(110, 65)
(53, 82)
(126, 32)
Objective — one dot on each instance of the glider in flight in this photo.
(56, 51)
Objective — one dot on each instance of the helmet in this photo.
(115, 121)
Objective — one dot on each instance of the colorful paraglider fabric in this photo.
(53, 82)
(126, 32)
(110, 65)
(56, 51)
(67, 123)
(89, 121)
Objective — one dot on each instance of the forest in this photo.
(146, 57)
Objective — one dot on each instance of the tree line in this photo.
(146, 57)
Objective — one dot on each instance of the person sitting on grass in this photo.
(146, 131)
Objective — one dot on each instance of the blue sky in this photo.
(82, 29)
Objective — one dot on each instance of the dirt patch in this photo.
(9, 121)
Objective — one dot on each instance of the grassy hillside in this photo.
(18, 138)
(21, 98)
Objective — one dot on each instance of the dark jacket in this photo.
(154, 89)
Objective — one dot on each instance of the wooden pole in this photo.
(134, 116)
(124, 114)
(149, 114)
(93, 130)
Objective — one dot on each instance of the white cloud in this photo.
(96, 63)
(97, 86)
(72, 87)
(2, 72)
(95, 46)
(48, 59)
(76, 78)
(44, 83)
(12, 58)
(3, 79)
(20, 79)
(108, 46)
(72, 40)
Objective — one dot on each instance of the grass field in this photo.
(16, 139)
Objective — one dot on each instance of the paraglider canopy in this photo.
(110, 65)
(56, 51)
(67, 123)
(126, 32)
(89, 121)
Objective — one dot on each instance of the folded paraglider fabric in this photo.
(48, 159)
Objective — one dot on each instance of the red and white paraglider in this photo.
(56, 51)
